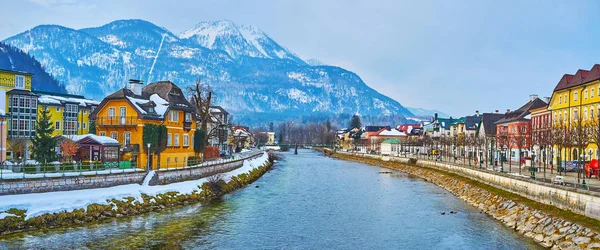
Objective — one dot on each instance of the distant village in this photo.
(560, 130)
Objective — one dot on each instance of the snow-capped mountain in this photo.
(12, 58)
(251, 74)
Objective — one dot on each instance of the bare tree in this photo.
(201, 99)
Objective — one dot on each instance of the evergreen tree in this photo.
(199, 139)
(355, 122)
(328, 125)
(156, 135)
(92, 127)
(43, 143)
(271, 127)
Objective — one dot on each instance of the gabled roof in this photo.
(391, 132)
(488, 120)
(471, 122)
(522, 112)
(594, 74)
(161, 96)
(16, 72)
(375, 128)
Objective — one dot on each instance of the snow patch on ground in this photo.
(41, 203)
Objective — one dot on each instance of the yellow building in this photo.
(270, 138)
(69, 114)
(576, 98)
(20, 108)
(123, 115)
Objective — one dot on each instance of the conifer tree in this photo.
(43, 143)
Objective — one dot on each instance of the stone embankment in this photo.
(526, 218)
(17, 221)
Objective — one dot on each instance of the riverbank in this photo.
(27, 212)
(546, 225)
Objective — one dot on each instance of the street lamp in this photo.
(149, 167)
(533, 169)
(583, 184)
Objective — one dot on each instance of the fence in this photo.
(197, 163)
(27, 171)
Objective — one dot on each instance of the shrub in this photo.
(211, 152)
(193, 160)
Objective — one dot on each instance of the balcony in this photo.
(117, 121)
(187, 125)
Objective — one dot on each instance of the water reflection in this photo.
(306, 201)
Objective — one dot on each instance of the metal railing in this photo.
(117, 121)
(33, 171)
(199, 163)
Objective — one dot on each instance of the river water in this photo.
(306, 202)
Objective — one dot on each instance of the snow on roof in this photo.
(240, 132)
(392, 132)
(161, 104)
(136, 104)
(2, 112)
(51, 99)
(98, 138)
(46, 99)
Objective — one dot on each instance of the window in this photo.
(57, 125)
(188, 117)
(78, 125)
(585, 95)
(592, 93)
(186, 140)
(19, 82)
(574, 96)
(523, 129)
(84, 112)
(102, 133)
(114, 135)
(176, 140)
(84, 125)
(575, 115)
(566, 99)
(585, 114)
(168, 159)
(176, 159)
(169, 140)
(127, 138)
(57, 109)
(173, 116)
(111, 112)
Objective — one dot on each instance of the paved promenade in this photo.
(570, 178)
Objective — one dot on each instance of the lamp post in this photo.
(149, 167)
(533, 169)
(583, 184)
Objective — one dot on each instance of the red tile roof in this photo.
(594, 74)
(582, 76)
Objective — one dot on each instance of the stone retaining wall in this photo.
(546, 230)
(178, 175)
(49, 184)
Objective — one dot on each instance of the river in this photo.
(306, 202)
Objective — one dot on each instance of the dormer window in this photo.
(151, 109)
(19, 82)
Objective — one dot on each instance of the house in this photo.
(93, 148)
(20, 106)
(513, 130)
(219, 128)
(370, 138)
(391, 147)
(270, 138)
(347, 139)
(69, 114)
(576, 98)
(541, 127)
(242, 138)
(123, 115)
(441, 126)
(486, 129)
(411, 129)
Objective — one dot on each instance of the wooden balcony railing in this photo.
(117, 121)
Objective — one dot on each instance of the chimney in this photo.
(532, 97)
(507, 110)
(135, 86)
(435, 117)
(477, 112)
(497, 111)
(547, 100)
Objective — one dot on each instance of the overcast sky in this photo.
(455, 56)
